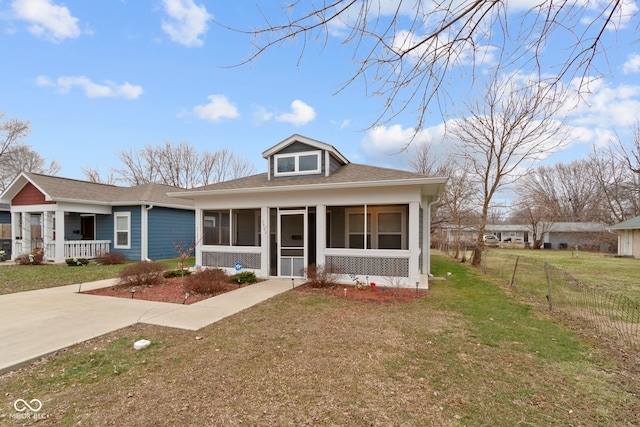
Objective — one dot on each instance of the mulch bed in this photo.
(173, 292)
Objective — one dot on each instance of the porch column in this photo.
(321, 233)
(48, 244)
(264, 241)
(26, 233)
(59, 236)
(414, 243)
(426, 238)
(16, 234)
(199, 236)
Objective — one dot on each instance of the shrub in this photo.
(176, 273)
(321, 276)
(30, 259)
(244, 277)
(210, 281)
(143, 274)
(111, 258)
(76, 262)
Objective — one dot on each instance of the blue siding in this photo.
(5, 217)
(104, 228)
(71, 224)
(134, 253)
(169, 228)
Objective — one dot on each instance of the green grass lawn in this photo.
(604, 271)
(20, 278)
(465, 355)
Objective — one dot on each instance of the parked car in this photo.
(491, 240)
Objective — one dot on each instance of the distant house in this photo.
(584, 235)
(66, 218)
(557, 235)
(628, 237)
(313, 206)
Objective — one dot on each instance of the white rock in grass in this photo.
(139, 345)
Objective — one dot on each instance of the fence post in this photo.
(485, 260)
(515, 268)
(548, 272)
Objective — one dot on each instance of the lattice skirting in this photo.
(371, 266)
(229, 259)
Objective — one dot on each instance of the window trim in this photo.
(296, 169)
(373, 233)
(117, 215)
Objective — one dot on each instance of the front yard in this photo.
(467, 354)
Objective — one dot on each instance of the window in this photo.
(122, 230)
(307, 162)
(242, 224)
(216, 228)
(385, 227)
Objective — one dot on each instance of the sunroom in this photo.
(357, 220)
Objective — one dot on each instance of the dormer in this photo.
(299, 156)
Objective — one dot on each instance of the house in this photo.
(628, 237)
(66, 218)
(313, 206)
(584, 235)
(515, 234)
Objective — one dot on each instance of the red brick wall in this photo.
(29, 195)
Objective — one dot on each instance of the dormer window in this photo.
(303, 163)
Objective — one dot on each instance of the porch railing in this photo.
(85, 248)
(72, 248)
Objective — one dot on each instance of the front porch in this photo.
(37, 232)
(71, 249)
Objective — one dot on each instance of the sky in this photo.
(96, 77)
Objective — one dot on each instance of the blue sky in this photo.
(97, 77)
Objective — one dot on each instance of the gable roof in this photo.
(629, 224)
(349, 175)
(57, 189)
(308, 141)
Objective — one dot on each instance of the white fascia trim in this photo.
(274, 189)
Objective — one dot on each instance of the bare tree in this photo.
(179, 165)
(12, 131)
(565, 191)
(21, 158)
(409, 51)
(511, 125)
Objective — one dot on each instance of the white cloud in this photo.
(632, 65)
(218, 108)
(388, 145)
(47, 19)
(108, 89)
(300, 114)
(187, 22)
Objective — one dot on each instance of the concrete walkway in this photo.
(36, 323)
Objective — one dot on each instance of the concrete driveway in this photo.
(36, 323)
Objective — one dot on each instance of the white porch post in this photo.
(16, 231)
(59, 236)
(26, 233)
(47, 236)
(321, 234)
(414, 243)
(426, 238)
(264, 241)
(199, 236)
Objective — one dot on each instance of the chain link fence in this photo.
(608, 315)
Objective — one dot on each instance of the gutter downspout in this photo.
(145, 234)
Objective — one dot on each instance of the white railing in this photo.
(85, 248)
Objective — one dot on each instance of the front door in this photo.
(88, 227)
(291, 243)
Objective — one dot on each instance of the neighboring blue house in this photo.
(141, 222)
